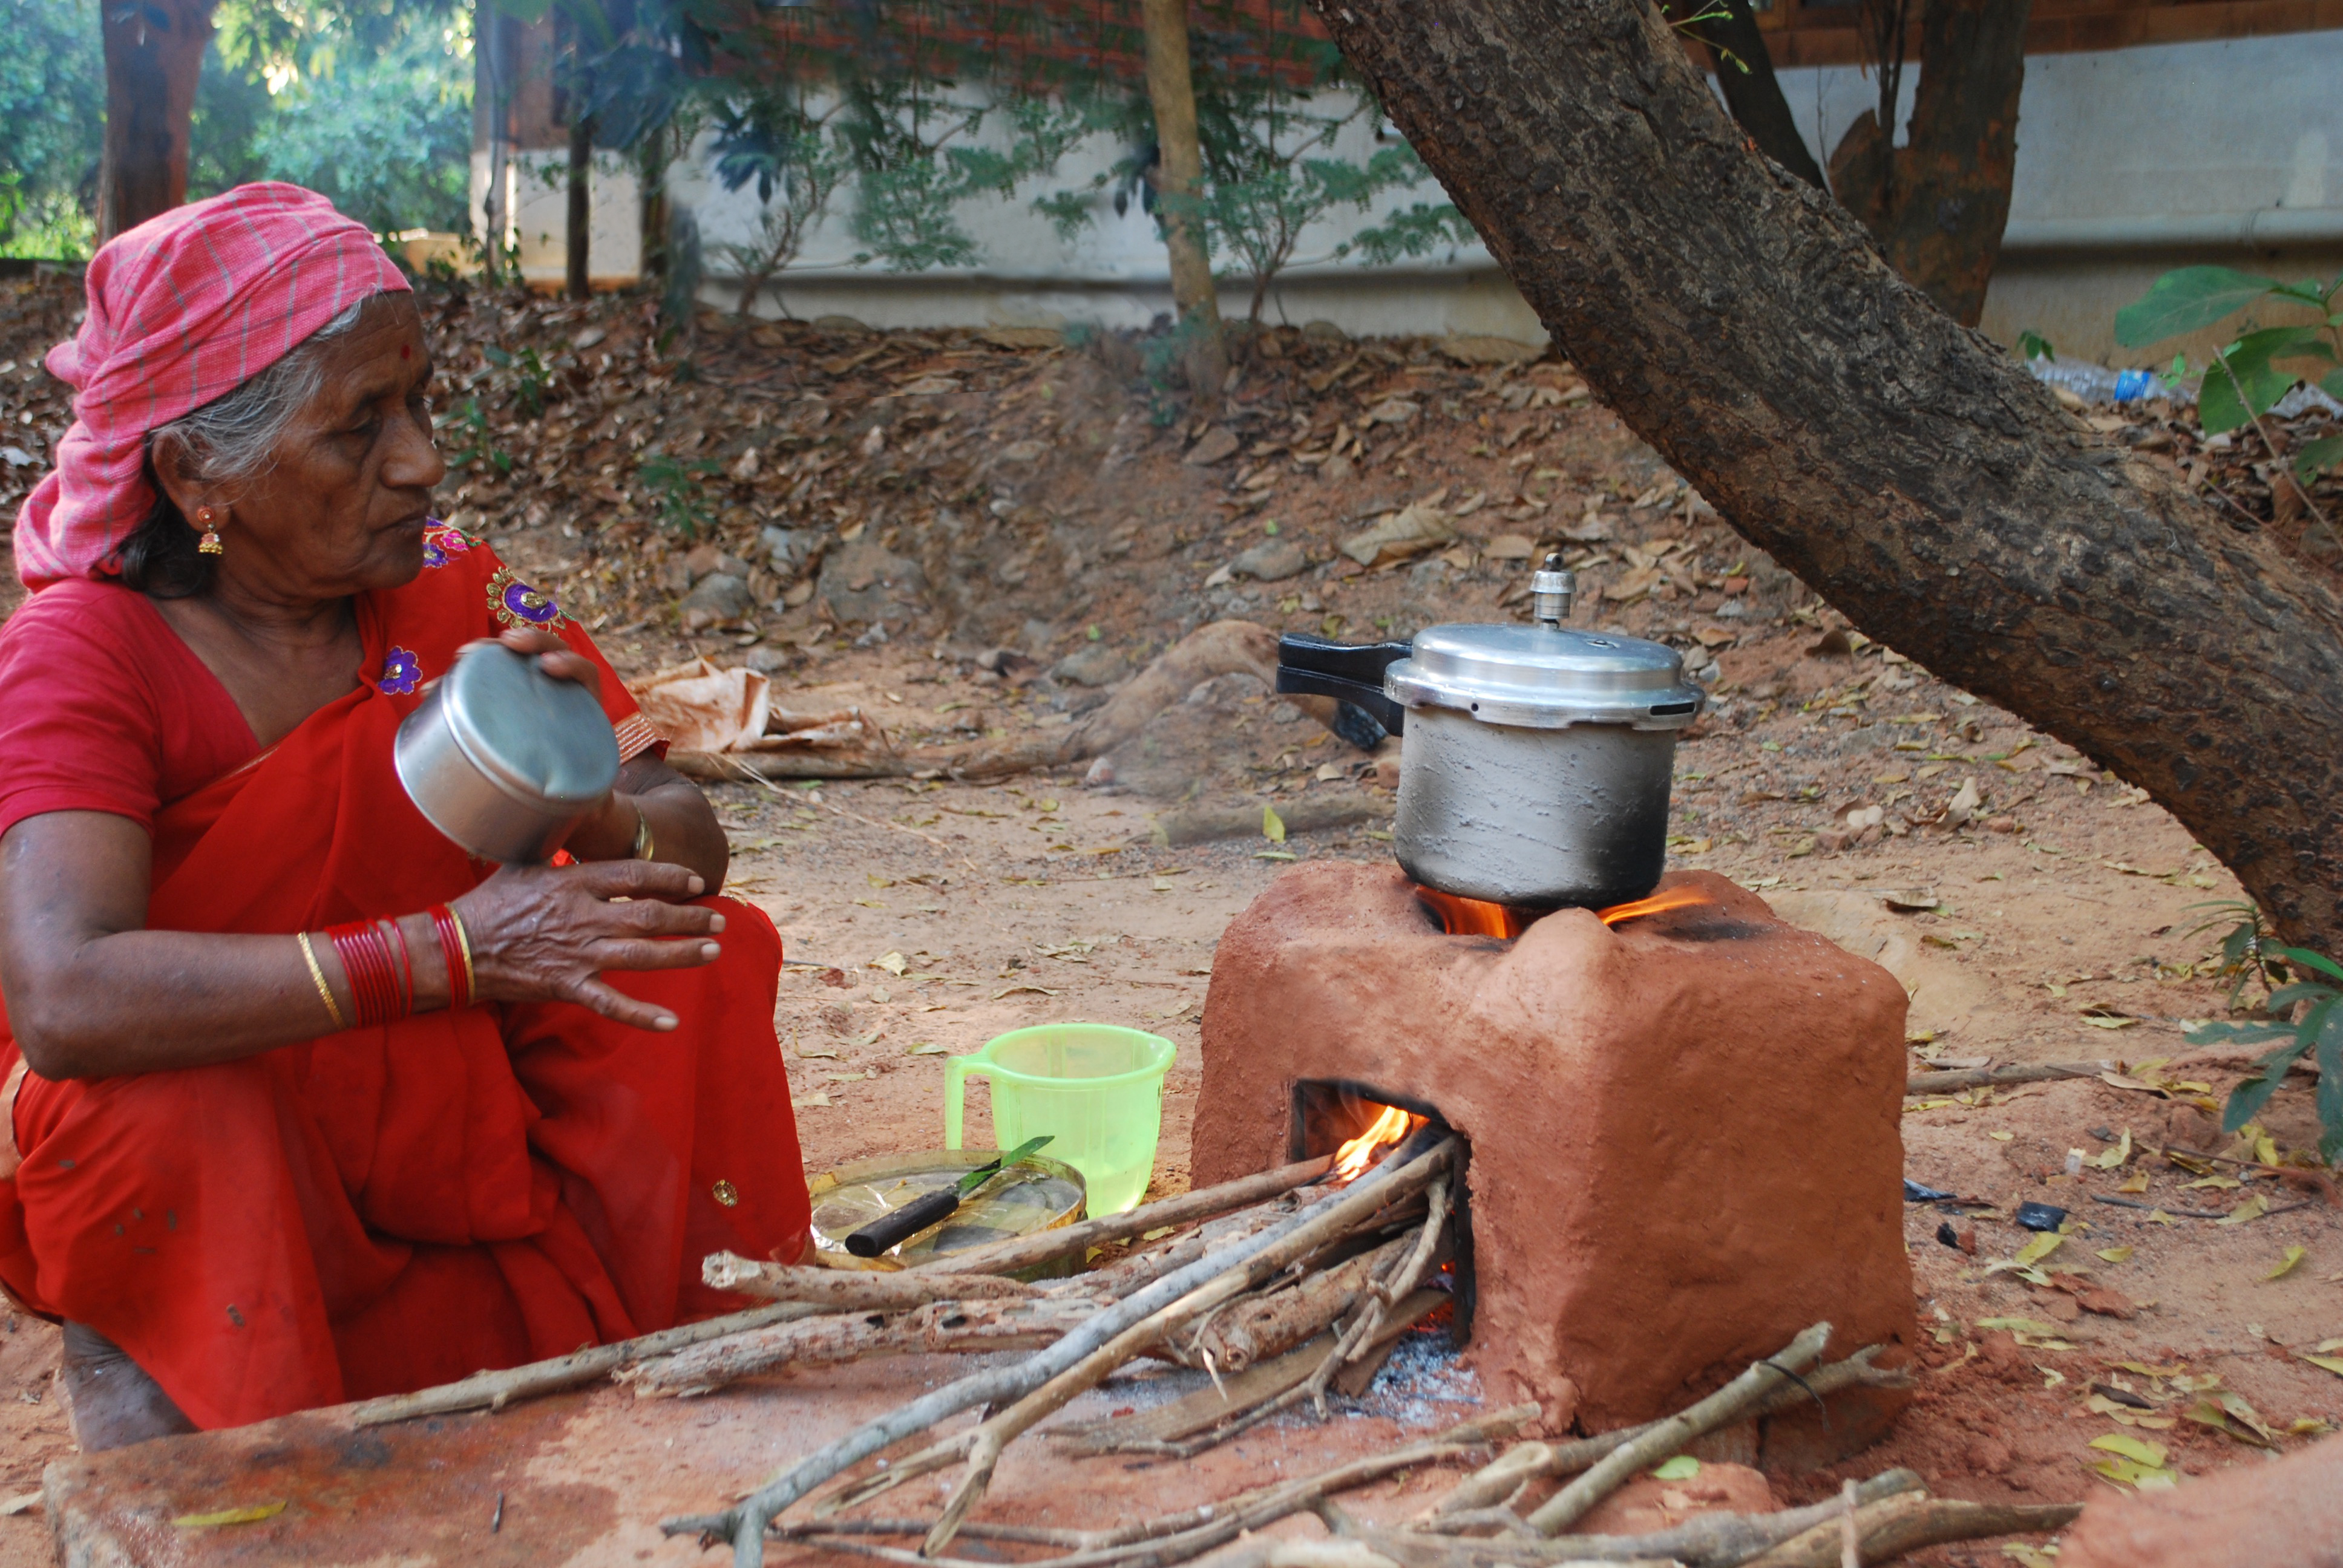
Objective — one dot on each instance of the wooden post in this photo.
(580, 226)
(1179, 183)
(154, 57)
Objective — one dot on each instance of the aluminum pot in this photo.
(503, 758)
(1534, 760)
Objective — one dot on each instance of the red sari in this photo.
(384, 1209)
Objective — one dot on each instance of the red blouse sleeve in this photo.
(103, 708)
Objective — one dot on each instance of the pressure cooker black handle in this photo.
(1354, 673)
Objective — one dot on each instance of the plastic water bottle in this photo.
(2097, 383)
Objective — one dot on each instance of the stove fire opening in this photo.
(1360, 1124)
(1462, 917)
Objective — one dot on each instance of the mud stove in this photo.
(1685, 1129)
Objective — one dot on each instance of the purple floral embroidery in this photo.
(441, 542)
(400, 671)
(517, 604)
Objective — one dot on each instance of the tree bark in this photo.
(1178, 186)
(492, 91)
(1745, 74)
(1912, 473)
(154, 57)
(1938, 205)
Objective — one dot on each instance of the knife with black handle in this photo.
(901, 1224)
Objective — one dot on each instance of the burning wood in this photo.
(1391, 1126)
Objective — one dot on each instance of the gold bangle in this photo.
(644, 849)
(324, 992)
(464, 944)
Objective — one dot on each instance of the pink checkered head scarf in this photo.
(183, 309)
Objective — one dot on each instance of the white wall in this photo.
(2128, 162)
(537, 207)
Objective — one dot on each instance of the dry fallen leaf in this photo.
(893, 963)
(2253, 1208)
(252, 1513)
(2285, 1265)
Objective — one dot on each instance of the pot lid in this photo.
(1545, 676)
(544, 740)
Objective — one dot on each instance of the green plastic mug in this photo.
(1096, 1089)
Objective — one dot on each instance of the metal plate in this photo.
(1039, 1194)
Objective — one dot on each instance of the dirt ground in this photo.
(2049, 912)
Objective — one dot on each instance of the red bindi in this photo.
(405, 351)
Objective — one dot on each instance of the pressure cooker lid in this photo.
(1545, 676)
(543, 740)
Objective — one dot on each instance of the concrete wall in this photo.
(2129, 163)
(536, 200)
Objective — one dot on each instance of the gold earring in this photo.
(209, 544)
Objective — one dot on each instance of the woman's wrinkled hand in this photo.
(546, 933)
(557, 657)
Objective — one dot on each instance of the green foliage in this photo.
(2032, 344)
(464, 433)
(531, 377)
(679, 488)
(2244, 948)
(2243, 382)
(2318, 1031)
(769, 136)
(52, 118)
(372, 111)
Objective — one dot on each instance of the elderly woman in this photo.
(303, 1104)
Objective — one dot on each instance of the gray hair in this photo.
(233, 437)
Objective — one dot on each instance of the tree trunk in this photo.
(1745, 74)
(1179, 185)
(1939, 204)
(154, 57)
(1916, 477)
(579, 234)
(492, 91)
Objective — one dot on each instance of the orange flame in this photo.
(1463, 917)
(1658, 903)
(1386, 1130)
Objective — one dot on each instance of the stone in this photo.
(1684, 1130)
(1218, 445)
(1024, 451)
(720, 596)
(787, 549)
(1022, 336)
(1092, 664)
(863, 581)
(1402, 536)
(1269, 561)
(842, 325)
(1323, 331)
(1476, 349)
(2321, 545)
(2254, 1515)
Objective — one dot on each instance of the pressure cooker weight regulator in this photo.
(1534, 760)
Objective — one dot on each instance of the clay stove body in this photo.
(1684, 1133)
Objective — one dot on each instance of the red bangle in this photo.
(375, 988)
(405, 968)
(456, 952)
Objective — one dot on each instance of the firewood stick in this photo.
(1352, 1341)
(1232, 1416)
(495, 1389)
(1073, 1241)
(852, 1289)
(984, 1444)
(1191, 1533)
(1887, 1529)
(939, 1328)
(1526, 1462)
(1257, 1328)
(1709, 1541)
(1726, 1406)
(1984, 1077)
(743, 1523)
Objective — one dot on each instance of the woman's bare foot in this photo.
(109, 1399)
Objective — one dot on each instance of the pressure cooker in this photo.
(1535, 760)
